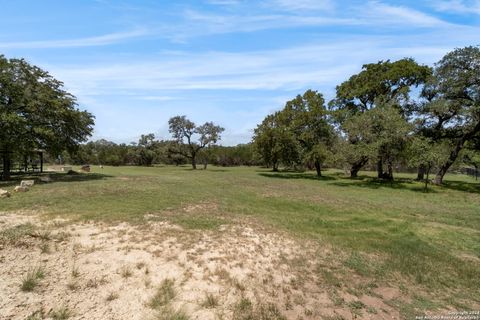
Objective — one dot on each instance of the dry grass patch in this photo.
(210, 301)
(164, 295)
(32, 278)
(246, 310)
(112, 296)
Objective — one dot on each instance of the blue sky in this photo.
(134, 64)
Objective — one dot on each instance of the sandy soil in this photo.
(100, 271)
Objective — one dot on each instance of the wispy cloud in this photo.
(102, 40)
(317, 66)
(297, 14)
(457, 6)
(201, 22)
(382, 13)
(324, 5)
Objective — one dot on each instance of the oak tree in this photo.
(190, 139)
(36, 112)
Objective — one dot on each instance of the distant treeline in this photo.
(149, 151)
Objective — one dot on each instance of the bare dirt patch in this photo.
(150, 271)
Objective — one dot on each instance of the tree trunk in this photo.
(194, 163)
(454, 154)
(318, 168)
(275, 166)
(379, 169)
(6, 166)
(426, 180)
(421, 172)
(41, 162)
(357, 166)
(451, 159)
(205, 163)
(389, 175)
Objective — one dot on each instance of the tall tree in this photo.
(306, 117)
(145, 150)
(275, 143)
(36, 112)
(452, 108)
(385, 84)
(185, 131)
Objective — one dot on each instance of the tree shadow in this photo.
(54, 176)
(375, 183)
(296, 175)
(472, 187)
(339, 179)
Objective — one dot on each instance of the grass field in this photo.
(425, 243)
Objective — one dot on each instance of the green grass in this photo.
(432, 239)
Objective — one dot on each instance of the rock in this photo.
(46, 179)
(27, 183)
(85, 168)
(20, 189)
(4, 193)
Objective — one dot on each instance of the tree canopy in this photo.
(37, 113)
(451, 110)
(390, 114)
(299, 133)
(185, 132)
(385, 86)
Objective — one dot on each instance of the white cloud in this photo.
(297, 14)
(324, 5)
(317, 66)
(457, 6)
(389, 15)
(199, 23)
(72, 43)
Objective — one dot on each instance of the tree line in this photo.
(387, 115)
(149, 151)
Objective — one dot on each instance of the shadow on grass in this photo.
(295, 175)
(473, 187)
(200, 169)
(364, 181)
(55, 177)
(374, 183)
